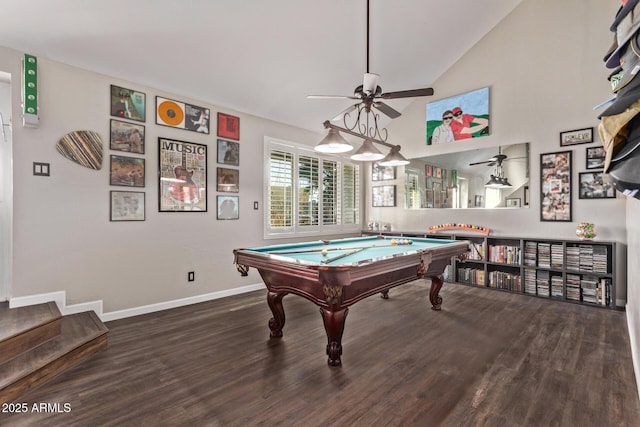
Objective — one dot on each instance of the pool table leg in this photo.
(276, 323)
(434, 297)
(334, 326)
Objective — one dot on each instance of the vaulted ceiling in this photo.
(255, 56)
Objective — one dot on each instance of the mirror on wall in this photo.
(486, 178)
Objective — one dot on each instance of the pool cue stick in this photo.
(337, 257)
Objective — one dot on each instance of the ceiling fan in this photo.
(495, 160)
(369, 93)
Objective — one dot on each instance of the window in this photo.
(308, 193)
(411, 189)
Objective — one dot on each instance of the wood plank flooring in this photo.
(489, 358)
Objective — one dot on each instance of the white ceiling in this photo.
(255, 56)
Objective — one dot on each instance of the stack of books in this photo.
(544, 255)
(586, 257)
(556, 256)
(530, 281)
(600, 259)
(556, 286)
(573, 258)
(530, 249)
(589, 285)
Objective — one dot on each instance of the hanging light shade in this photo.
(333, 143)
(367, 152)
(394, 158)
(504, 183)
(493, 182)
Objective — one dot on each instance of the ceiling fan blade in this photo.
(480, 163)
(386, 110)
(407, 93)
(331, 97)
(370, 82)
(345, 111)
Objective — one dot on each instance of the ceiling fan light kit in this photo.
(369, 95)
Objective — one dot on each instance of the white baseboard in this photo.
(635, 357)
(136, 311)
(60, 298)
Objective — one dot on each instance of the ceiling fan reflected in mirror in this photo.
(496, 160)
(369, 94)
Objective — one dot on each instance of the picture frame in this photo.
(228, 152)
(228, 126)
(428, 170)
(478, 201)
(512, 202)
(450, 119)
(228, 180)
(384, 196)
(180, 115)
(592, 185)
(125, 136)
(382, 173)
(227, 207)
(127, 171)
(128, 104)
(575, 137)
(127, 206)
(555, 186)
(182, 176)
(595, 157)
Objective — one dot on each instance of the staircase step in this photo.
(81, 335)
(24, 328)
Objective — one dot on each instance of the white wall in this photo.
(63, 239)
(543, 65)
(633, 291)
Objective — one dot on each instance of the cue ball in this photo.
(324, 252)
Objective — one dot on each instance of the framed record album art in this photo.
(125, 136)
(182, 116)
(182, 170)
(128, 104)
(228, 126)
(127, 206)
(127, 171)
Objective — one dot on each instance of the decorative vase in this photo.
(586, 231)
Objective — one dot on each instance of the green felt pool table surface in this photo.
(343, 251)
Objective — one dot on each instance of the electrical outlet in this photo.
(191, 276)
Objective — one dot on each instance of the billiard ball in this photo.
(324, 252)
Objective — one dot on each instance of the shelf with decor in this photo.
(577, 271)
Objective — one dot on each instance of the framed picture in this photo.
(595, 157)
(479, 200)
(513, 202)
(228, 207)
(428, 170)
(128, 104)
(384, 195)
(593, 186)
(127, 171)
(125, 136)
(382, 173)
(429, 197)
(228, 152)
(555, 186)
(228, 126)
(459, 117)
(228, 180)
(126, 206)
(574, 137)
(182, 174)
(181, 115)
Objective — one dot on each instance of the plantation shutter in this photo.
(280, 189)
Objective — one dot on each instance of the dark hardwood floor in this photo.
(489, 358)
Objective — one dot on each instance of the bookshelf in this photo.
(576, 271)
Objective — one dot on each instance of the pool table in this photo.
(335, 274)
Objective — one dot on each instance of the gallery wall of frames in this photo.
(183, 169)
